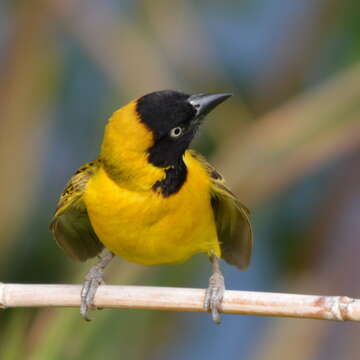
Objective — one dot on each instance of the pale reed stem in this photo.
(339, 308)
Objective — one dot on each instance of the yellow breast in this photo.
(146, 228)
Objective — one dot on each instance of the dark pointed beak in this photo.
(204, 103)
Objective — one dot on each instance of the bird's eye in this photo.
(176, 132)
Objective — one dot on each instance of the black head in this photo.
(174, 117)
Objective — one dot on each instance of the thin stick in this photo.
(339, 308)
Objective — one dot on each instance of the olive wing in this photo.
(71, 224)
(232, 220)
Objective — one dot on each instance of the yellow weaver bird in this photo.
(149, 199)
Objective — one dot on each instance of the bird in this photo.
(150, 199)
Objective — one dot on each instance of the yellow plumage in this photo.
(144, 227)
(149, 199)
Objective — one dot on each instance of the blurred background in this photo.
(288, 143)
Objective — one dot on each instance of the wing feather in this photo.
(71, 224)
(232, 220)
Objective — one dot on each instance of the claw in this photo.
(214, 293)
(93, 279)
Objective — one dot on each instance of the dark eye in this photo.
(176, 132)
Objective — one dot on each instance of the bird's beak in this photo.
(204, 103)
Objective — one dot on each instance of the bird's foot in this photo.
(93, 279)
(214, 295)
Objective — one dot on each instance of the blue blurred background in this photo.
(288, 143)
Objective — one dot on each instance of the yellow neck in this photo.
(124, 151)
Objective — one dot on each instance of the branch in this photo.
(339, 308)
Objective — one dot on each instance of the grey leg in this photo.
(93, 279)
(215, 292)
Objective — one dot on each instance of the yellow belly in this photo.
(146, 228)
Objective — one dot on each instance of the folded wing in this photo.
(71, 224)
(232, 220)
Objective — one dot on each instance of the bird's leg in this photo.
(215, 292)
(93, 279)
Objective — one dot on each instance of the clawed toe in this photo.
(93, 279)
(214, 295)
